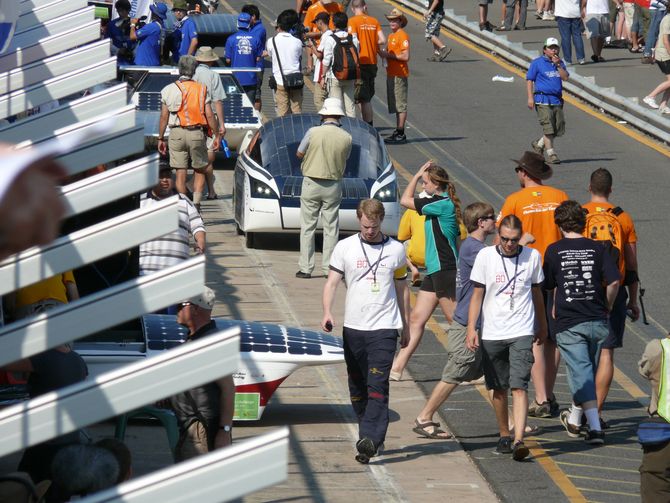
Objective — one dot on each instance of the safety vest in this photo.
(192, 109)
(664, 388)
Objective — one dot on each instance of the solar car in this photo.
(240, 117)
(268, 180)
(269, 353)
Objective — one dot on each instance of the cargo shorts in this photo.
(462, 364)
(551, 119)
(187, 144)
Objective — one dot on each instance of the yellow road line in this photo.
(630, 387)
(573, 101)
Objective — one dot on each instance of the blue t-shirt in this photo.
(243, 49)
(188, 33)
(258, 31)
(149, 46)
(442, 231)
(464, 287)
(175, 42)
(120, 40)
(548, 83)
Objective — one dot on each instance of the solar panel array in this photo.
(163, 333)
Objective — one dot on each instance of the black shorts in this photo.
(366, 90)
(441, 283)
(617, 321)
(664, 66)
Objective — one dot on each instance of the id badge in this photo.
(374, 287)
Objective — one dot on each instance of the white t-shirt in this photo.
(597, 7)
(508, 309)
(567, 8)
(317, 61)
(370, 307)
(289, 49)
(328, 44)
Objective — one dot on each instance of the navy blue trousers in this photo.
(369, 355)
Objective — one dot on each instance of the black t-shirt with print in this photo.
(578, 269)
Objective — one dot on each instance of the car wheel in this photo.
(251, 238)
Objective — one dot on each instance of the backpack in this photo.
(345, 59)
(192, 109)
(604, 226)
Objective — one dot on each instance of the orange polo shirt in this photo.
(535, 206)
(314, 10)
(395, 44)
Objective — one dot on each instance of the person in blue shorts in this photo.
(149, 37)
(443, 214)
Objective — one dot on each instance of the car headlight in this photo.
(387, 193)
(261, 190)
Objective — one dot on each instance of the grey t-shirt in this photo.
(466, 259)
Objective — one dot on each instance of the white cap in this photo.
(552, 41)
(205, 300)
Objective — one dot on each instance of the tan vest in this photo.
(327, 153)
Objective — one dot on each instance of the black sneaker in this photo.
(573, 430)
(553, 406)
(303, 275)
(366, 450)
(594, 437)
(520, 451)
(504, 445)
(396, 138)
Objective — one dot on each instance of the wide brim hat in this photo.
(332, 106)
(206, 54)
(160, 10)
(535, 165)
(396, 14)
(179, 5)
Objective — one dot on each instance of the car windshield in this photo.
(279, 140)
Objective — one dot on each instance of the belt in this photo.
(190, 128)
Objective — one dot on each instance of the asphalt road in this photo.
(473, 127)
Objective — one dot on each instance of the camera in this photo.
(299, 31)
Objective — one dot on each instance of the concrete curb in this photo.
(604, 98)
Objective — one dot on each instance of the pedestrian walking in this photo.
(433, 18)
(575, 270)
(507, 280)
(544, 86)
(372, 266)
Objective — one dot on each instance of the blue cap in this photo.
(243, 20)
(160, 10)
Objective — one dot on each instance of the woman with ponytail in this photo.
(443, 214)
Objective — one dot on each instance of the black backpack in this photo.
(345, 59)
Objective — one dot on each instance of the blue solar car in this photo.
(268, 180)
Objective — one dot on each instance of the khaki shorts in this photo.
(185, 145)
(462, 364)
(396, 94)
(551, 119)
(366, 90)
(192, 442)
(597, 25)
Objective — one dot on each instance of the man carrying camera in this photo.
(119, 33)
(149, 36)
(285, 51)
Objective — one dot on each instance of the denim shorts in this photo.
(580, 347)
(507, 363)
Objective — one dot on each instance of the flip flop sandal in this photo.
(420, 429)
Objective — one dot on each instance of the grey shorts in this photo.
(396, 94)
(507, 363)
(551, 119)
(433, 24)
(597, 25)
(462, 364)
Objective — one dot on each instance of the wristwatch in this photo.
(227, 428)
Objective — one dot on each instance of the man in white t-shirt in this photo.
(597, 24)
(374, 270)
(507, 293)
(287, 49)
(569, 20)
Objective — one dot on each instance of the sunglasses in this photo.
(488, 217)
(509, 240)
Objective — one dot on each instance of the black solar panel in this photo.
(215, 24)
(163, 333)
(149, 102)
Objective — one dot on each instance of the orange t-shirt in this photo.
(535, 206)
(366, 28)
(395, 44)
(627, 225)
(315, 9)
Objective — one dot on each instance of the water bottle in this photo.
(224, 148)
(500, 78)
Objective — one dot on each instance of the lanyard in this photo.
(510, 281)
(375, 266)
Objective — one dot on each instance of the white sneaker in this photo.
(548, 16)
(665, 110)
(651, 101)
